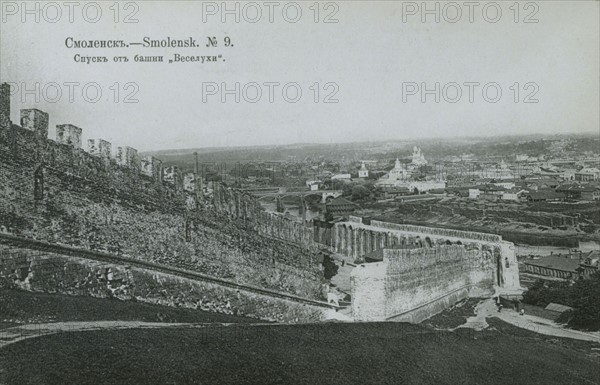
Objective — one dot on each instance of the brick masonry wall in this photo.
(86, 201)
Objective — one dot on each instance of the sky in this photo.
(371, 61)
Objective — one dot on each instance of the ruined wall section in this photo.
(60, 193)
(48, 272)
(412, 285)
(244, 207)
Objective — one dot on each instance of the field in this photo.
(376, 353)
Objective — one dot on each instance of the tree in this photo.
(347, 189)
(359, 192)
(584, 297)
(328, 216)
(329, 267)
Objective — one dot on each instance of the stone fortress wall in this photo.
(354, 238)
(241, 205)
(55, 191)
(413, 284)
(424, 270)
(60, 269)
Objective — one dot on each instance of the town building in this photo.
(545, 195)
(570, 266)
(499, 171)
(570, 190)
(313, 185)
(568, 174)
(513, 195)
(590, 193)
(587, 174)
(474, 193)
(418, 159)
(339, 207)
(345, 177)
(503, 184)
(557, 309)
(426, 185)
(395, 192)
(401, 176)
(591, 262)
(554, 266)
(363, 172)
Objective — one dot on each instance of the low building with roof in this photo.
(590, 263)
(557, 308)
(340, 206)
(587, 174)
(513, 195)
(554, 266)
(590, 193)
(571, 190)
(544, 196)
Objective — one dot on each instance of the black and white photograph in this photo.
(299, 192)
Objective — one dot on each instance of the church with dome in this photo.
(401, 175)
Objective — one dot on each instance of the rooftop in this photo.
(558, 307)
(340, 201)
(563, 263)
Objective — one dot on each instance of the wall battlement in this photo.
(69, 134)
(37, 121)
(100, 148)
(30, 144)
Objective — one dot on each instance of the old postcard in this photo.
(299, 192)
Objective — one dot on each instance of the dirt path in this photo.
(484, 310)
(540, 325)
(23, 332)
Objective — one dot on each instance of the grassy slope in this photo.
(333, 353)
(23, 307)
(454, 316)
(375, 353)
